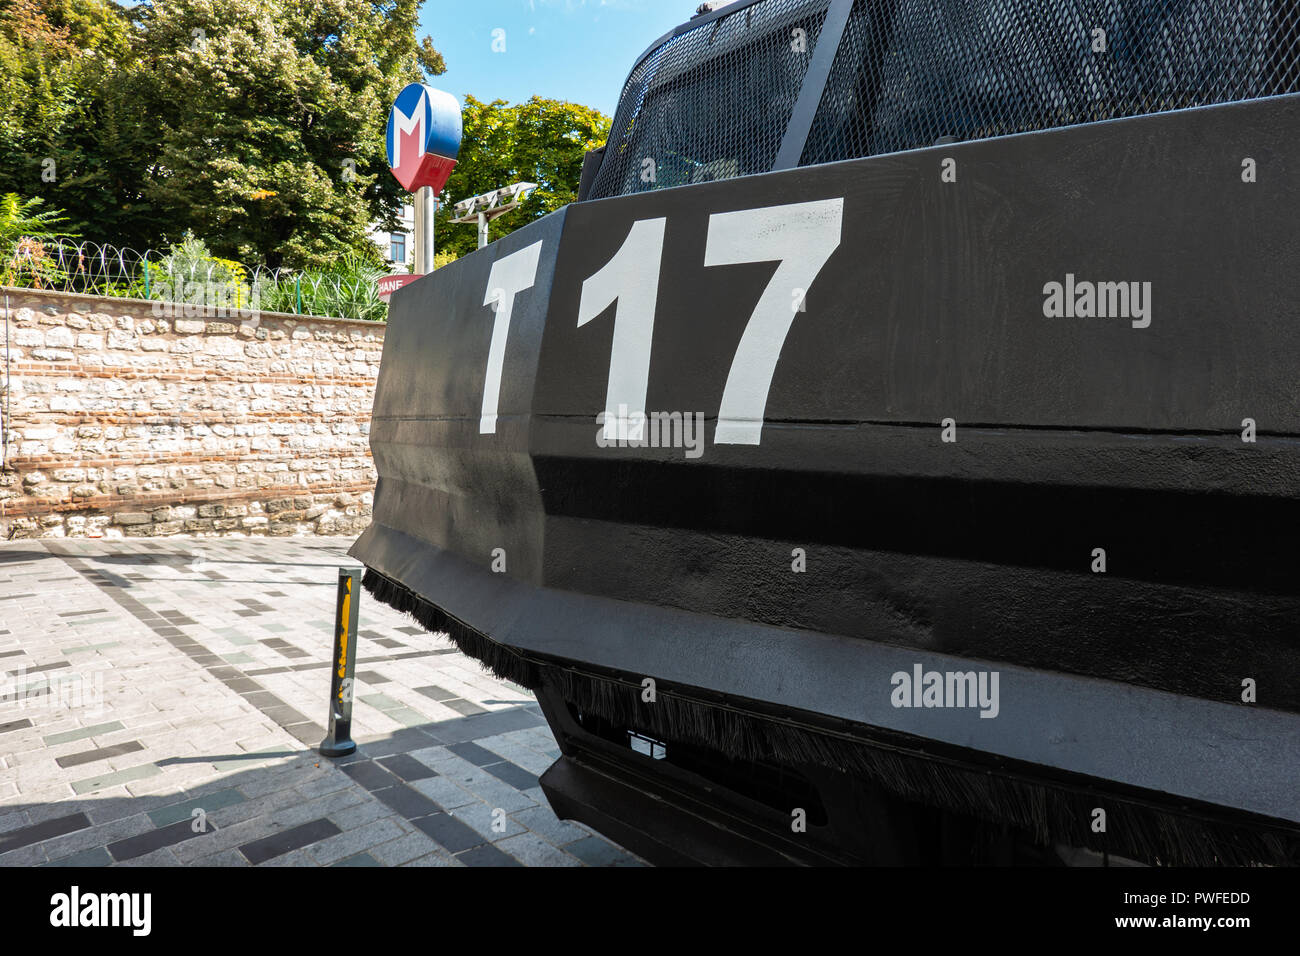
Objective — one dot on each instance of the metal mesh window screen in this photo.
(909, 72)
(712, 102)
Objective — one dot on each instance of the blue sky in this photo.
(575, 50)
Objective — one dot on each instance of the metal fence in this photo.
(207, 283)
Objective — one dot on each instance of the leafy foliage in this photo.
(191, 269)
(69, 129)
(19, 219)
(25, 233)
(347, 289)
(258, 124)
(540, 141)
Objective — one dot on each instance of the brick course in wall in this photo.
(130, 418)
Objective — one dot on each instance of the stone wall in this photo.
(128, 418)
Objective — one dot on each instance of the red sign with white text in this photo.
(391, 283)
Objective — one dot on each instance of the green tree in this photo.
(540, 141)
(54, 55)
(272, 115)
(258, 124)
(90, 154)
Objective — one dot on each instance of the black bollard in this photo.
(338, 741)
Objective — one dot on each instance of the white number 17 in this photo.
(800, 236)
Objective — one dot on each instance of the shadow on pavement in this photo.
(303, 809)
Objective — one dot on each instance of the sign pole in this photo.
(417, 236)
(424, 212)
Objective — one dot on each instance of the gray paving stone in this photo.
(222, 858)
(380, 701)
(371, 775)
(406, 767)
(543, 821)
(24, 856)
(327, 780)
(226, 838)
(362, 813)
(531, 850)
(296, 813)
(354, 841)
(82, 733)
(486, 855)
(267, 756)
(406, 801)
(510, 747)
(248, 809)
(95, 856)
(271, 779)
(490, 823)
(437, 858)
(486, 725)
(167, 677)
(41, 830)
(497, 793)
(431, 756)
(106, 811)
(153, 839)
(513, 775)
(97, 836)
(451, 834)
(267, 848)
(296, 858)
(410, 847)
(475, 754)
(88, 648)
(595, 851)
(464, 707)
(160, 857)
(208, 803)
(113, 778)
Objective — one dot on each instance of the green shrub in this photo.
(190, 273)
(346, 290)
(25, 237)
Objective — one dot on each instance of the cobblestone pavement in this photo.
(160, 702)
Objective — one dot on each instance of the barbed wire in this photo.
(102, 269)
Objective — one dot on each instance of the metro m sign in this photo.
(423, 137)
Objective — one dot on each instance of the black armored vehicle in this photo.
(894, 455)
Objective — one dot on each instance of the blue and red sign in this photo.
(424, 131)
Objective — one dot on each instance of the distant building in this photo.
(397, 248)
